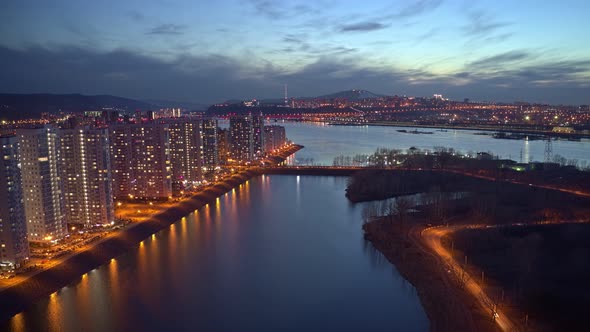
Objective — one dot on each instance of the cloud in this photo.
(482, 24)
(417, 8)
(167, 29)
(136, 15)
(210, 78)
(275, 10)
(501, 59)
(375, 22)
(362, 27)
(294, 39)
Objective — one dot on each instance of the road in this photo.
(431, 237)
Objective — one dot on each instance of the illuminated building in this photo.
(120, 146)
(210, 146)
(86, 176)
(169, 113)
(274, 137)
(14, 247)
(141, 161)
(185, 152)
(41, 184)
(241, 140)
(258, 135)
(223, 145)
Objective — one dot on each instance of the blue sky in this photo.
(208, 51)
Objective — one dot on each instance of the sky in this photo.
(210, 51)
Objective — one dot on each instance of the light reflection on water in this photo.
(279, 253)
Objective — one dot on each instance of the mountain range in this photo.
(353, 95)
(23, 106)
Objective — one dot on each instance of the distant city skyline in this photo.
(208, 52)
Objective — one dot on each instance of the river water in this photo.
(280, 253)
(324, 142)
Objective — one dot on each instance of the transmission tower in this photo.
(548, 150)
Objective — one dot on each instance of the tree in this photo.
(400, 207)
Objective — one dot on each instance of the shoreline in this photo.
(16, 298)
(448, 307)
(480, 128)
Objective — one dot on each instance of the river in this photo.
(324, 142)
(280, 253)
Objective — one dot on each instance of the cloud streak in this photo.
(417, 8)
(482, 24)
(501, 59)
(362, 27)
(167, 29)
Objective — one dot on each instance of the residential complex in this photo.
(67, 175)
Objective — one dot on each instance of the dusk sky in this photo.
(210, 51)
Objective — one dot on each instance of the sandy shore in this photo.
(18, 297)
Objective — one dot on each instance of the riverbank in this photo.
(521, 130)
(16, 298)
(451, 288)
(448, 307)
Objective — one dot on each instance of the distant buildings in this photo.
(41, 184)
(85, 168)
(14, 247)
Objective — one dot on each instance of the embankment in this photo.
(449, 308)
(18, 297)
(314, 171)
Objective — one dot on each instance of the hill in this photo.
(22, 106)
(188, 105)
(351, 95)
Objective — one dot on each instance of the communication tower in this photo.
(286, 96)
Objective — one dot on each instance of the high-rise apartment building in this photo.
(185, 152)
(86, 176)
(257, 135)
(223, 147)
(14, 247)
(41, 184)
(241, 138)
(210, 144)
(120, 146)
(274, 137)
(141, 161)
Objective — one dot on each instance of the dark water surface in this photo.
(281, 253)
(324, 142)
